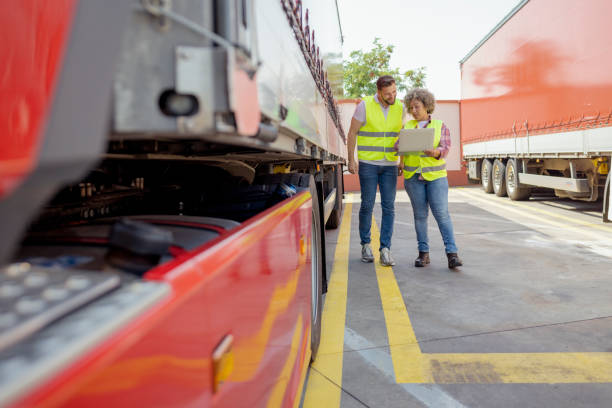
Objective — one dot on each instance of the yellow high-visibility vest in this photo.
(376, 138)
(431, 168)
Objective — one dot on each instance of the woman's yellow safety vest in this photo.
(376, 138)
(431, 168)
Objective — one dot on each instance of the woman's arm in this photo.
(441, 151)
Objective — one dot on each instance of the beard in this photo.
(389, 102)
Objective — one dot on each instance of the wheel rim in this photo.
(485, 175)
(510, 179)
(496, 178)
(314, 269)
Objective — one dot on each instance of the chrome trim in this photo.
(328, 205)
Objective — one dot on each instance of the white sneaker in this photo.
(366, 253)
(385, 257)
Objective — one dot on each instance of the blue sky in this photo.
(435, 34)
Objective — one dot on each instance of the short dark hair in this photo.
(384, 81)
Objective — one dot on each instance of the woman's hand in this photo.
(432, 153)
(400, 166)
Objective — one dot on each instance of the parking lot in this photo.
(527, 321)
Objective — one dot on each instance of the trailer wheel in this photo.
(485, 176)
(498, 177)
(336, 215)
(316, 271)
(515, 192)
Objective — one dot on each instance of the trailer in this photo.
(167, 172)
(535, 102)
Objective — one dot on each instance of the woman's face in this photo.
(417, 110)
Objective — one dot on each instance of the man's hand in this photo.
(400, 166)
(432, 153)
(353, 167)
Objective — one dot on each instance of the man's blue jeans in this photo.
(385, 177)
(423, 195)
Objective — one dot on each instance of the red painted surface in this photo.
(548, 65)
(237, 284)
(34, 35)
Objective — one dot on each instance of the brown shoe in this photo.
(453, 260)
(422, 260)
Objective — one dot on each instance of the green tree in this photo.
(362, 69)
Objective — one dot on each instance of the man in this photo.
(374, 130)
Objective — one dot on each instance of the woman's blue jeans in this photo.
(430, 194)
(385, 177)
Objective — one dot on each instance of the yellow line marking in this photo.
(513, 368)
(509, 202)
(405, 351)
(325, 380)
(413, 366)
(523, 213)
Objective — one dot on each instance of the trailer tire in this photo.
(317, 260)
(515, 192)
(485, 176)
(336, 215)
(498, 176)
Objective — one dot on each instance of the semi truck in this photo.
(536, 107)
(167, 172)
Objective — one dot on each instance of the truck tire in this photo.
(498, 177)
(336, 215)
(485, 176)
(515, 192)
(316, 275)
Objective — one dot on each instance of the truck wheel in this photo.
(336, 215)
(316, 271)
(498, 176)
(485, 176)
(515, 192)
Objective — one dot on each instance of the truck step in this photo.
(42, 354)
(32, 297)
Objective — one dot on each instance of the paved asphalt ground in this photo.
(526, 322)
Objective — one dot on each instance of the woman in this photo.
(425, 178)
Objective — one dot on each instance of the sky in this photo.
(435, 34)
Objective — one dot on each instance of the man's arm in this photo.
(352, 142)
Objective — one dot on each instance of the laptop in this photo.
(415, 140)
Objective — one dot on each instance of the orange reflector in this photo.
(223, 362)
(302, 245)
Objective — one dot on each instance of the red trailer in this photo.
(167, 170)
(536, 106)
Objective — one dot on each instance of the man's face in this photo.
(388, 94)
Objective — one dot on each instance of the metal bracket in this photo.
(159, 9)
(572, 167)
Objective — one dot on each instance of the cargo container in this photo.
(536, 102)
(167, 169)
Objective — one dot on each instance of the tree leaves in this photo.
(362, 69)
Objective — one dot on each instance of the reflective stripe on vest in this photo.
(375, 140)
(431, 169)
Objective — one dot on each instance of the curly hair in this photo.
(423, 95)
